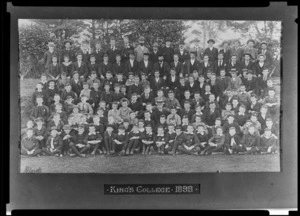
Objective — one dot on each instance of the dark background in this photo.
(218, 191)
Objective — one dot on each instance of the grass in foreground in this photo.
(153, 164)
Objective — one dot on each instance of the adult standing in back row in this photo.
(140, 50)
(168, 51)
(211, 51)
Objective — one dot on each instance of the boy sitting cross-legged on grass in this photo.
(202, 136)
(40, 132)
(79, 147)
(160, 140)
(120, 140)
(268, 143)
(108, 139)
(232, 141)
(147, 140)
(29, 144)
(170, 137)
(94, 139)
(134, 139)
(216, 142)
(67, 138)
(191, 144)
(54, 143)
(250, 141)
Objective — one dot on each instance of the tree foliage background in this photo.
(35, 35)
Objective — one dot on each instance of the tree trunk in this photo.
(93, 29)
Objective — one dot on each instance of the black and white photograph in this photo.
(149, 96)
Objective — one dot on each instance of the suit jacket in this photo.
(112, 54)
(70, 53)
(238, 52)
(184, 56)
(189, 68)
(103, 68)
(226, 54)
(48, 57)
(92, 67)
(154, 85)
(164, 70)
(212, 54)
(178, 67)
(82, 70)
(125, 52)
(218, 67)
(253, 52)
(53, 70)
(204, 69)
(99, 56)
(118, 68)
(153, 57)
(269, 57)
(128, 68)
(147, 70)
(172, 84)
(199, 53)
(168, 53)
(139, 53)
(76, 87)
(249, 66)
(237, 66)
(259, 69)
(66, 68)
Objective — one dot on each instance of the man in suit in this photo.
(233, 64)
(247, 63)
(183, 54)
(99, 53)
(125, 50)
(267, 53)
(156, 82)
(226, 51)
(146, 66)
(177, 65)
(199, 52)
(237, 50)
(104, 67)
(191, 64)
(140, 50)
(67, 51)
(162, 66)
(206, 65)
(173, 80)
(80, 66)
(260, 65)
(131, 65)
(48, 55)
(251, 50)
(112, 51)
(118, 66)
(211, 51)
(154, 54)
(220, 63)
(168, 51)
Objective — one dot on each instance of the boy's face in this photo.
(208, 75)
(146, 57)
(114, 106)
(253, 119)
(53, 133)
(156, 74)
(233, 58)
(109, 129)
(175, 58)
(117, 88)
(110, 119)
(75, 110)
(76, 76)
(108, 75)
(43, 78)
(66, 59)
(29, 133)
(235, 102)
(219, 131)
(171, 96)
(29, 124)
(191, 79)
(93, 59)
(56, 98)
(201, 79)
(39, 100)
(149, 107)
(135, 129)
(159, 93)
(220, 56)
(213, 78)
(162, 120)
(79, 57)
(185, 120)
(51, 49)
(58, 108)
(200, 129)
(119, 76)
(141, 124)
(228, 107)
(96, 119)
(211, 97)
(222, 73)
(190, 129)
(95, 85)
(147, 115)
(247, 57)
(133, 97)
(67, 131)
(81, 130)
(148, 129)
(232, 132)
(271, 93)
(269, 83)
(160, 58)
(136, 79)
(205, 58)
(105, 59)
(124, 104)
(171, 128)
(207, 88)
(39, 86)
(218, 122)
(160, 130)
(265, 72)
(187, 106)
(131, 56)
(242, 109)
(261, 58)
(253, 99)
(197, 96)
(230, 119)
(143, 77)
(269, 124)
(118, 58)
(212, 106)
(243, 88)
(130, 77)
(178, 131)
(173, 111)
(83, 99)
(93, 75)
(112, 43)
(251, 130)
(198, 109)
(51, 84)
(107, 87)
(182, 81)
(198, 119)
(187, 95)
(126, 124)
(268, 133)
(92, 129)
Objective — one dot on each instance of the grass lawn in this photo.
(140, 163)
(153, 164)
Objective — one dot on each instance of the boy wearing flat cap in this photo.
(29, 144)
(120, 140)
(211, 51)
(67, 138)
(54, 143)
(94, 138)
(79, 146)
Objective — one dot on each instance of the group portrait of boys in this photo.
(127, 100)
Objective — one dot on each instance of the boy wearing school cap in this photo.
(211, 51)
(179, 139)
(54, 143)
(29, 144)
(141, 49)
(147, 138)
(48, 55)
(120, 140)
(268, 143)
(215, 143)
(40, 132)
(79, 146)
(94, 138)
(67, 138)
(233, 64)
(191, 143)
(134, 137)
(247, 63)
(80, 66)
